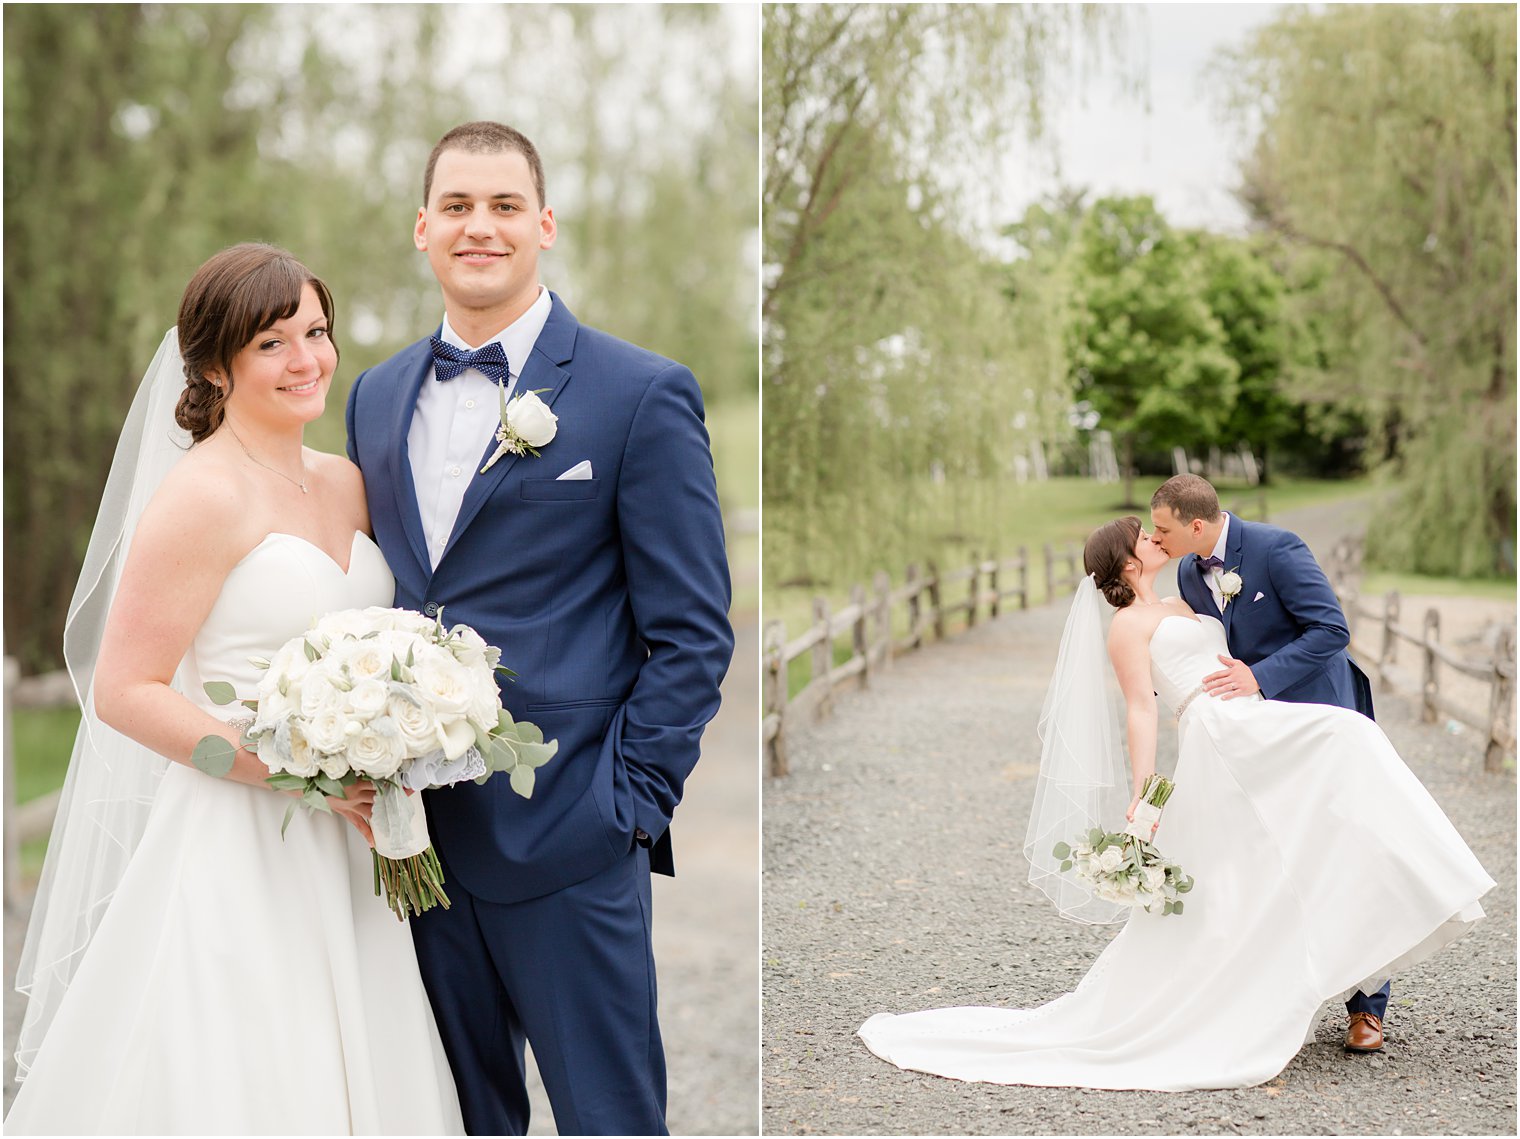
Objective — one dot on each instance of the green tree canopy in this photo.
(1384, 157)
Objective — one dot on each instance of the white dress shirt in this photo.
(454, 421)
(1217, 572)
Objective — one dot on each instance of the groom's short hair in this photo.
(486, 137)
(1188, 497)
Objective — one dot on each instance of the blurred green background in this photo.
(922, 362)
(140, 139)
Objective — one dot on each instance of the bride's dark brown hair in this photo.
(1109, 549)
(232, 298)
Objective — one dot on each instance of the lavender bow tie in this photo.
(449, 361)
(1208, 563)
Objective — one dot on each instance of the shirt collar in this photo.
(517, 339)
(1224, 536)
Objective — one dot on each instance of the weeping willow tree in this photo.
(898, 382)
(1384, 160)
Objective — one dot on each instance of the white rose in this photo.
(364, 660)
(1111, 859)
(377, 750)
(295, 753)
(531, 418)
(273, 708)
(1230, 582)
(416, 724)
(289, 663)
(485, 705)
(443, 682)
(470, 648)
(318, 693)
(366, 699)
(333, 766)
(327, 730)
(1155, 877)
(344, 623)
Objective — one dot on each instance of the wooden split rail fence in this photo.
(1497, 670)
(930, 600)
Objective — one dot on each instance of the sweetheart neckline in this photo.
(346, 572)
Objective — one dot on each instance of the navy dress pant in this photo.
(572, 972)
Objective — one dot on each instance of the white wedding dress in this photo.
(1321, 865)
(239, 983)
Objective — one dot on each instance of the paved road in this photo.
(706, 929)
(894, 881)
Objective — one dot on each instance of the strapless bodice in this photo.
(274, 593)
(1183, 652)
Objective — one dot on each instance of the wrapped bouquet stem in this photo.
(388, 696)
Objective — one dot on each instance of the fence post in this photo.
(1429, 684)
(915, 607)
(883, 617)
(936, 613)
(775, 693)
(823, 653)
(992, 584)
(973, 589)
(1023, 577)
(859, 647)
(1501, 705)
(1050, 572)
(1390, 642)
(12, 840)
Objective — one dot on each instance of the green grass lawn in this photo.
(42, 740)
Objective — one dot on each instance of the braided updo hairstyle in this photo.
(1109, 548)
(231, 299)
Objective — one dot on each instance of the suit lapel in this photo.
(1188, 580)
(555, 346)
(412, 371)
(1234, 548)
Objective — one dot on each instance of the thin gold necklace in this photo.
(293, 482)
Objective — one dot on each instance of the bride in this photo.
(1321, 865)
(189, 971)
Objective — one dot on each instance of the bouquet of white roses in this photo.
(389, 696)
(1125, 867)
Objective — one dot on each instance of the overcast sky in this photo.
(1182, 151)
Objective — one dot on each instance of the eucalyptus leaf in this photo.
(1176, 907)
(251, 705)
(214, 756)
(329, 786)
(510, 675)
(522, 780)
(1062, 850)
(536, 755)
(285, 781)
(220, 692)
(482, 738)
(503, 754)
(311, 650)
(314, 799)
(290, 813)
(529, 733)
(504, 720)
(1067, 865)
(395, 669)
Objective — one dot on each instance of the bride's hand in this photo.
(356, 806)
(1129, 815)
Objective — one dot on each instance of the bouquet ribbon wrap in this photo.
(1147, 815)
(399, 823)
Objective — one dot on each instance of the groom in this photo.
(1284, 627)
(595, 561)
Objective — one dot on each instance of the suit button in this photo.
(431, 608)
(641, 836)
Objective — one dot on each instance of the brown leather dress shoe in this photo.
(1364, 1033)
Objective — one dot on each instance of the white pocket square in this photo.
(581, 470)
(1258, 597)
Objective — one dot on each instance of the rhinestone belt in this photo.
(1188, 699)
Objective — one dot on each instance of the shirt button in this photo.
(442, 542)
(454, 471)
(469, 403)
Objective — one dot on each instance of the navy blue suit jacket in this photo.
(607, 596)
(1294, 635)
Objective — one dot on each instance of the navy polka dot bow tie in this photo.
(1208, 563)
(449, 361)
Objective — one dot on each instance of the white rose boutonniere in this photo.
(526, 425)
(1230, 586)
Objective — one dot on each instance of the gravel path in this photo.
(894, 881)
(706, 927)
